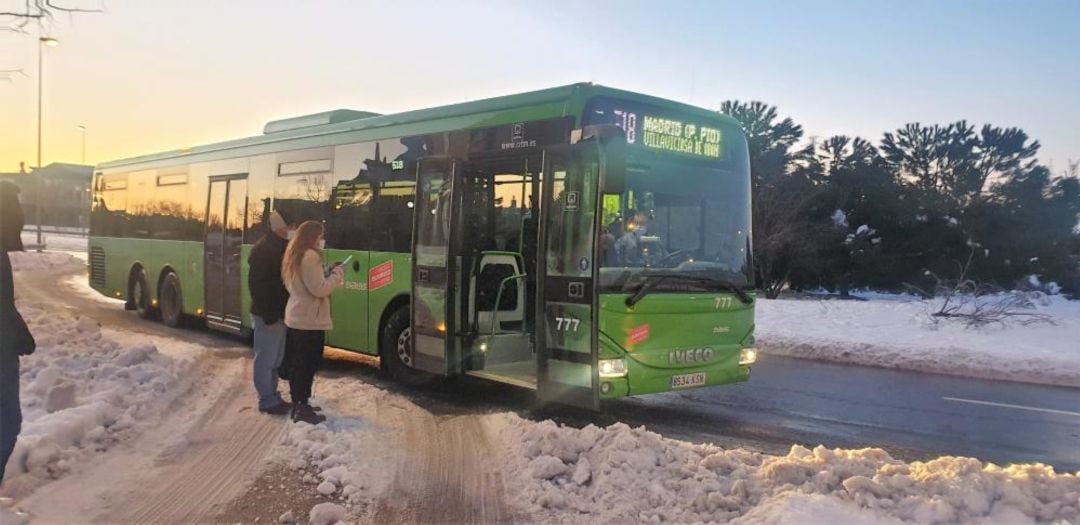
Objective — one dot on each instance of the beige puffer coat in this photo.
(309, 295)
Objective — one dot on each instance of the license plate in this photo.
(688, 380)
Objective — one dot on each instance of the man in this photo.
(268, 299)
(629, 247)
(15, 338)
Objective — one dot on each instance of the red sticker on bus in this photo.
(380, 276)
(638, 335)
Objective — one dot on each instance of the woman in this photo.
(15, 337)
(307, 314)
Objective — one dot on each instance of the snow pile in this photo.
(897, 332)
(23, 261)
(326, 514)
(618, 473)
(348, 457)
(81, 393)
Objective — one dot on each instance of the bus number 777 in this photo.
(568, 324)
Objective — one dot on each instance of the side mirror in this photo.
(612, 142)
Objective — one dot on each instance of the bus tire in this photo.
(171, 301)
(395, 349)
(140, 295)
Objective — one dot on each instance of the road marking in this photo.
(1006, 405)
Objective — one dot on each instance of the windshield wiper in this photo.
(647, 284)
(650, 281)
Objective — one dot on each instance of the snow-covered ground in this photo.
(618, 474)
(88, 390)
(897, 331)
(622, 474)
(70, 243)
(84, 389)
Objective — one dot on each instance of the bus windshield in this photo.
(678, 219)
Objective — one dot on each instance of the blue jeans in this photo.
(269, 352)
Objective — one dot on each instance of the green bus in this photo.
(582, 241)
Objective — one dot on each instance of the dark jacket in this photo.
(15, 337)
(268, 293)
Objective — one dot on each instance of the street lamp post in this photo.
(82, 131)
(42, 42)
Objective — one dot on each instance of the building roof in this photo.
(63, 170)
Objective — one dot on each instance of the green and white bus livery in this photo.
(582, 241)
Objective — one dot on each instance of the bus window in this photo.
(371, 204)
(302, 189)
(109, 213)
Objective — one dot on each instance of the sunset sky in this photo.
(150, 75)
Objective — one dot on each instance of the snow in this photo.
(83, 391)
(69, 243)
(28, 261)
(87, 390)
(839, 218)
(639, 476)
(559, 474)
(326, 514)
(896, 331)
(337, 454)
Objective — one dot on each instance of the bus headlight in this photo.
(612, 367)
(747, 356)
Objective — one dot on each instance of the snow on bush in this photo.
(81, 393)
(898, 332)
(619, 474)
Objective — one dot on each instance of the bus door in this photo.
(226, 216)
(432, 315)
(567, 346)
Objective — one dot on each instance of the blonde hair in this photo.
(307, 238)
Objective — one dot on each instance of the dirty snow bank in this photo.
(82, 392)
(620, 474)
(350, 457)
(897, 332)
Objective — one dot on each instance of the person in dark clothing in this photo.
(268, 300)
(15, 337)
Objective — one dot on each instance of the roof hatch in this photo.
(316, 119)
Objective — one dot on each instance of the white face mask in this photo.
(322, 244)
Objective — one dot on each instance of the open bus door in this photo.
(575, 178)
(433, 266)
(567, 346)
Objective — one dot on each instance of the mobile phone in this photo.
(343, 263)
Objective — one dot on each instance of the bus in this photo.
(585, 242)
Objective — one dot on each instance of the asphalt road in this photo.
(787, 401)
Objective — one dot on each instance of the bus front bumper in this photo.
(644, 379)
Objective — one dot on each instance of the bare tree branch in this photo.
(39, 11)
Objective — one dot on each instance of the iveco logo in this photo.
(693, 355)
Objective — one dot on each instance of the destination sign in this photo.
(652, 129)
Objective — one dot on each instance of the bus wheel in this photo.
(172, 301)
(140, 295)
(395, 349)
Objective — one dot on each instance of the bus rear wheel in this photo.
(140, 295)
(172, 301)
(395, 350)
